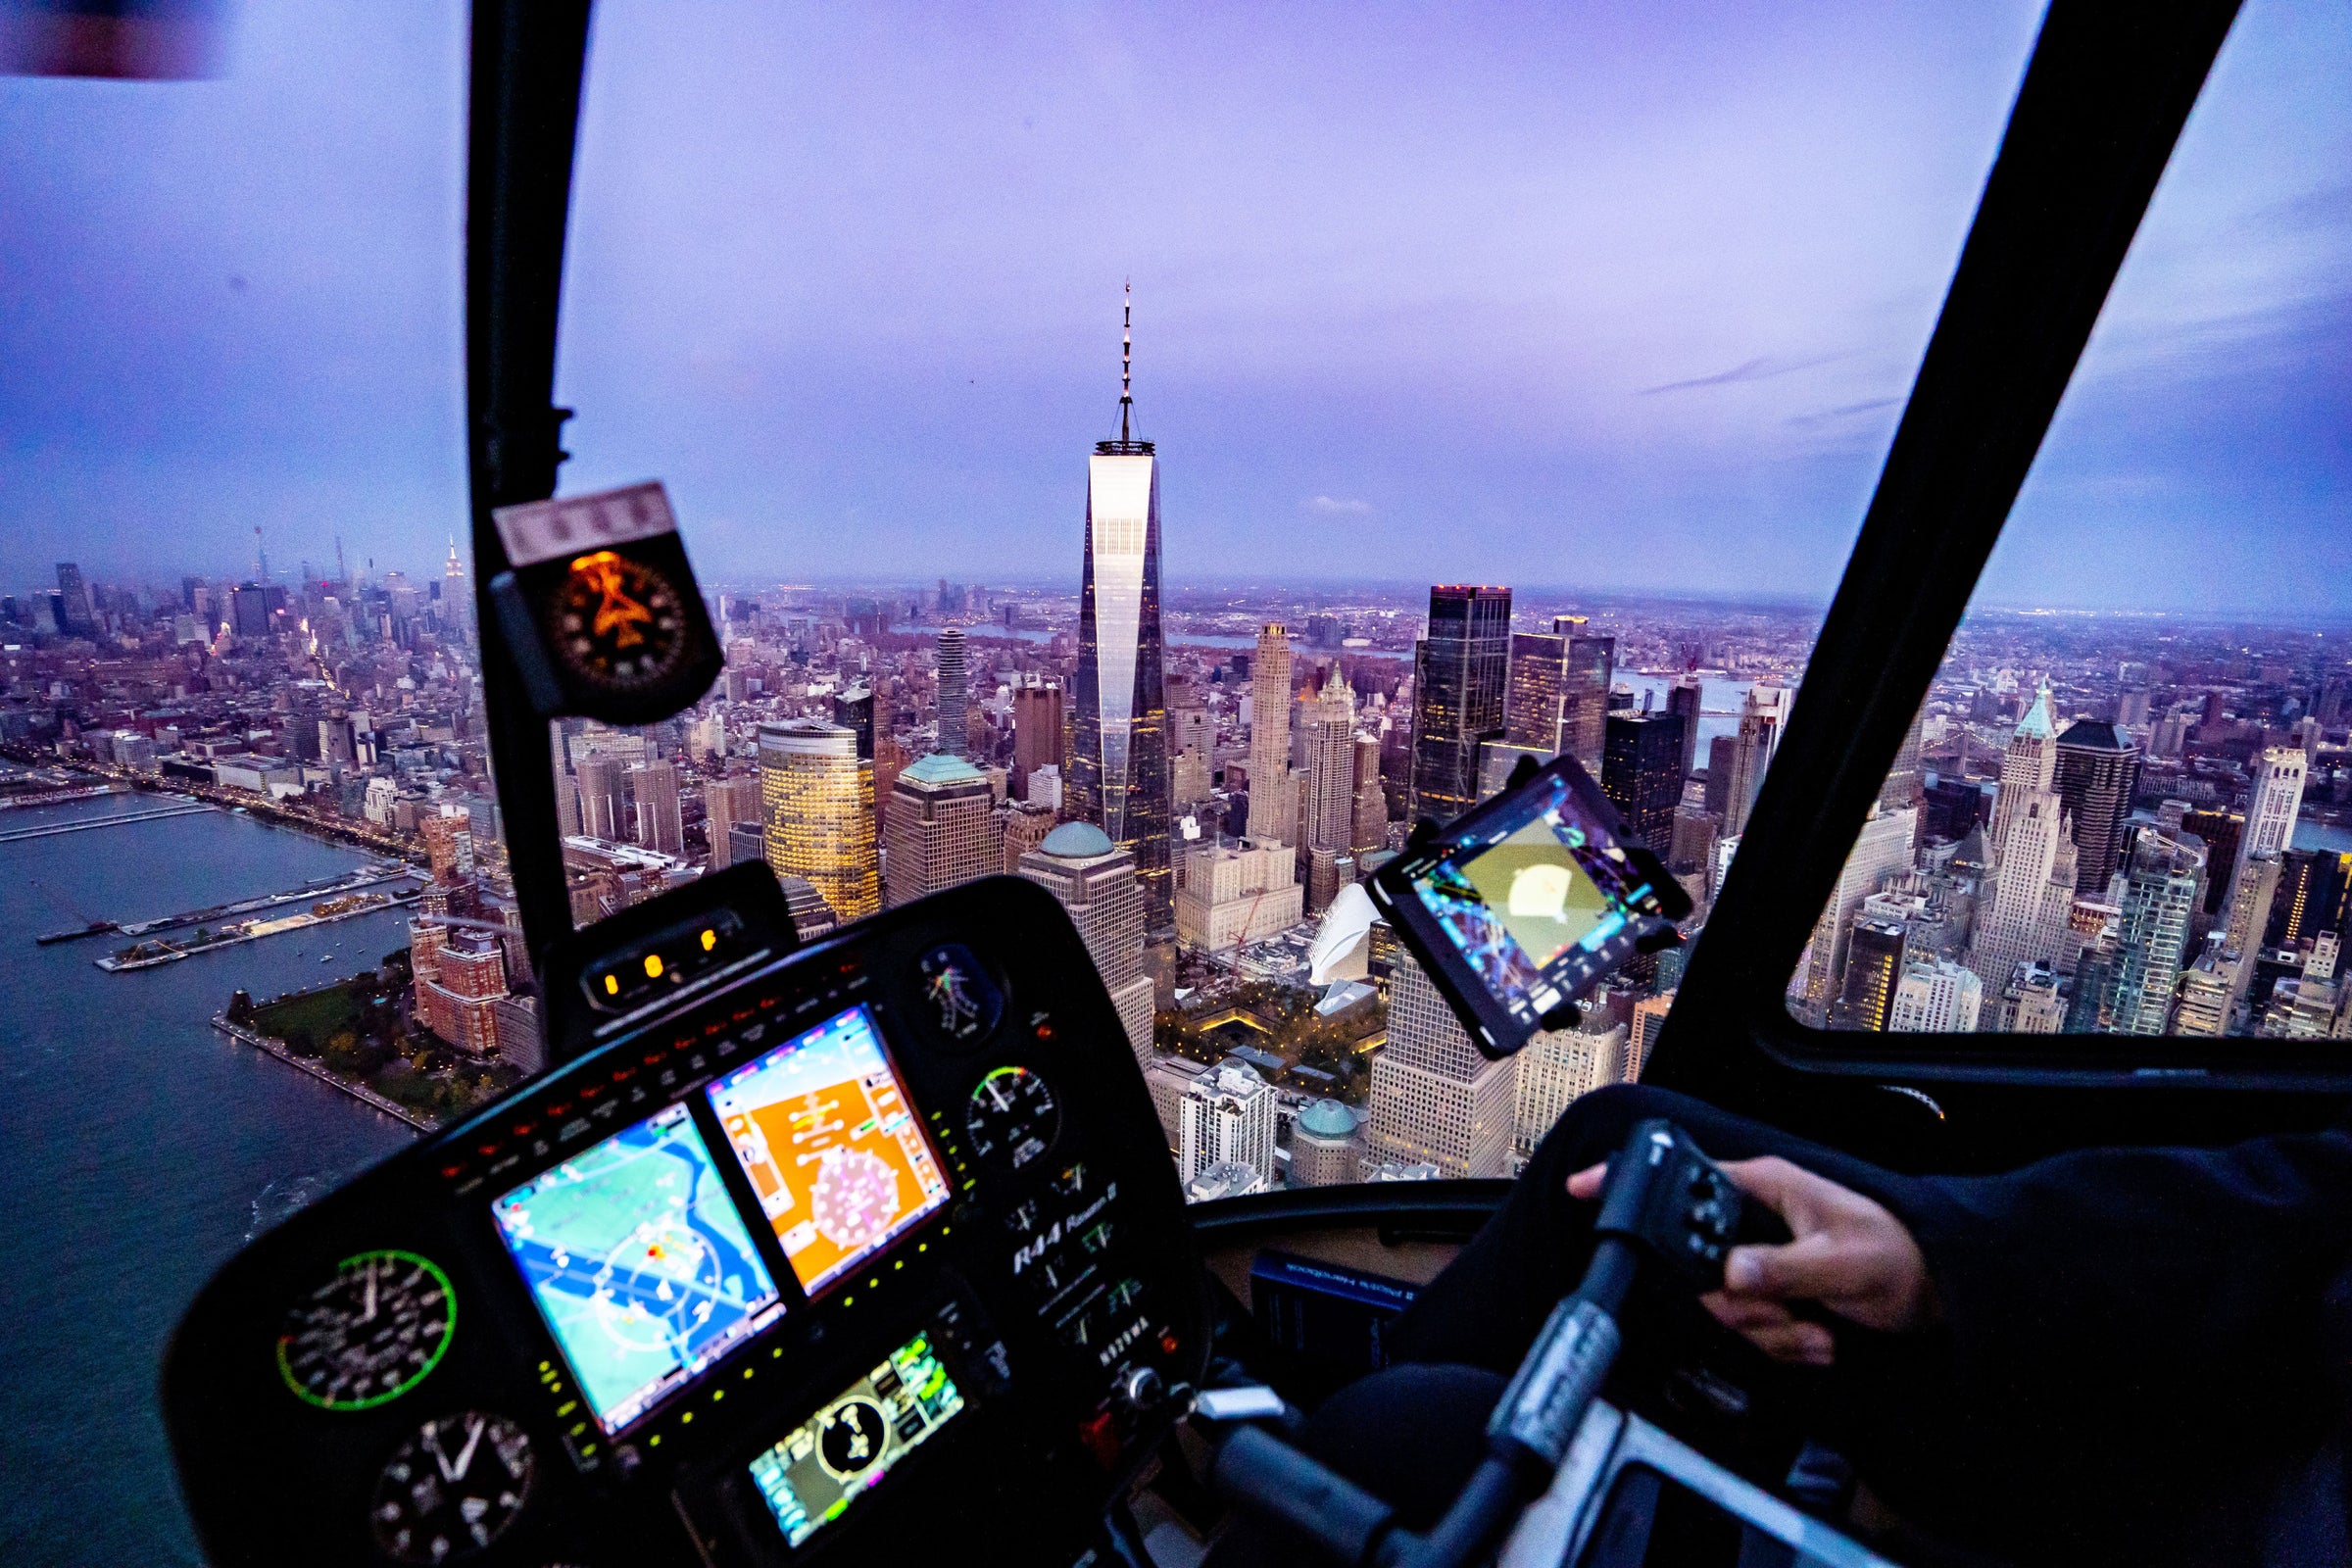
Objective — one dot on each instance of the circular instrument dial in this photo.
(619, 624)
(963, 999)
(454, 1487)
(368, 1335)
(1012, 1117)
(854, 1435)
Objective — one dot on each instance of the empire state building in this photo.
(1119, 767)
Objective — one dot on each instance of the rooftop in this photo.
(1077, 841)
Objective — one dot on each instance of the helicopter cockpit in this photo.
(880, 1205)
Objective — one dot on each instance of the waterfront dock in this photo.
(183, 809)
(318, 1070)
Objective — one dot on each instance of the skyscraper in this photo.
(1461, 672)
(1329, 730)
(954, 686)
(2096, 774)
(1536, 713)
(1590, 672)
(2273, 801)
(659, 825)
(1435, 1100)
(1936, 996)
(1881, 850)
(817, 797)
(1750, 755)
(1036, 730)
(1371, 818)
(1640, 772)
(728, 803)
(1227, 1120)
(601, 802)
(1684, 700)
(73, 611)
(854, 711)
(1119, 774)
(2029, 765)
(940, 828)
(1873, 967)
(2162, 877)
(1094, 880)
(1273, 803)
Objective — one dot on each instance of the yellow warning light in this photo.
(709, 940)
(652, 966)
(612, 985)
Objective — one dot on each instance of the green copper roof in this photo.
(941, 769)
(2037, 725)
(1327, 1118)
(1077, 841)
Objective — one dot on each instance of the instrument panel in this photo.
(806, 1262)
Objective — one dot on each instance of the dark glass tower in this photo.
(1460, 677)
(1642, 773)
(1120, 741)
(1873, 967)
(2097, 777)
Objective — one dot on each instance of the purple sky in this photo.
(1591, 296)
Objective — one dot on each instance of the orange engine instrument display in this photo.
(823, 1130)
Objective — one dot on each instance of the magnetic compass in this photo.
(369, 1334)
(617, 623)
(962, 998)
(455, 1487)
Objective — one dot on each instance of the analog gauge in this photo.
(1012, 1117)
(854, 1435)
(454, 1487)
(964, 1002)
(368, 1335)
(619, 624)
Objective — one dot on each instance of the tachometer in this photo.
(1012, 1117)
(368, 1335)
(454, 1487)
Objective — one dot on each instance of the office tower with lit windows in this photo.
(2163, 877)
(1227, 1118)
(1543, 691)
(1589, 672)
(1648, 1018)
(1118, 771)
(1882, 851)
(660, 826)
(2203, 1005)
(1935, 997)
(2221, 832)
(1094, 880)
(601, 807)
(1327, 1145)
(1557, 1067)
(1641, 774)
(955, 687)
(1037, 730)
(1434, 1098)
(1684, 700)
(2311, 898)
(940, 828)
(2273, 802)
(818, 800)
(1273, 803)
(1750, 754)
(1874, 968)
(1462, 677)
(1370, 829)
(2096, 774)
(854, 711)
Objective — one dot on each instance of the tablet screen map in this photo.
(639, 1261)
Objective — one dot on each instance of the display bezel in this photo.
(908, 1220)
(1498, 1028)
(629, 1412)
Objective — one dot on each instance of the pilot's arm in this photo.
(2103, 1333)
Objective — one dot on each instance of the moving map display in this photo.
(1541, 903)
(818, 1468)
(826, 1136)
(640, 1263)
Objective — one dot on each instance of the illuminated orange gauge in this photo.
(619, 624)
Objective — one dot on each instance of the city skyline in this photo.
(1600, 376)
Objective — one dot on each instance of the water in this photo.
(1716, 693)
(2323, 836)
(138, 1150)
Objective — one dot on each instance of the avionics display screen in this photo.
(825, 1133)
(1540, 900)
(640, 1263)
(821, 1466)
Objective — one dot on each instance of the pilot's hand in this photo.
(1846, 1253)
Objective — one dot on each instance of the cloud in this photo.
(1756, 369)
(1332, 507)
(1846, 412)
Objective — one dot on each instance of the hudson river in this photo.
(135, 1143)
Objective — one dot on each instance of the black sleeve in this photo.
(2122, 1326)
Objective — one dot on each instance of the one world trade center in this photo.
(1119, 766)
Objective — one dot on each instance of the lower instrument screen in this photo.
(639, 1261)
(818, 1468)
(824, 1132)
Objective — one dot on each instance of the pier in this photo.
(187, 809)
